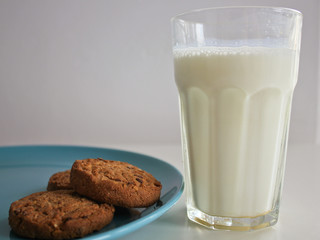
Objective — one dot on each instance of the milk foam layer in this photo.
(235, 110)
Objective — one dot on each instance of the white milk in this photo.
(235, 110)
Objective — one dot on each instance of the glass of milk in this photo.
(236, 69)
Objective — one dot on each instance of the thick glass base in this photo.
(233, 223)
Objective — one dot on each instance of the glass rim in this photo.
(279, 9)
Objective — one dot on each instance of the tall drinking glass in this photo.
(236, 69)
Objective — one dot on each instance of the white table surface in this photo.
(299, 208)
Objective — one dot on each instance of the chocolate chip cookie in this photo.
(60, 181)
(118, 183)
(61, 214)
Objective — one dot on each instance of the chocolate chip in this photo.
(139, 180)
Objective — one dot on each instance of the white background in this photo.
(100, 72)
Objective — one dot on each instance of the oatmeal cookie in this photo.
(60, 214)
(60, 181)
(118, 183)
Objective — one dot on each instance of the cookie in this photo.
(60, 181)
(61, 214)
(118, 183)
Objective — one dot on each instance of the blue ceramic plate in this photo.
(26, 169)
